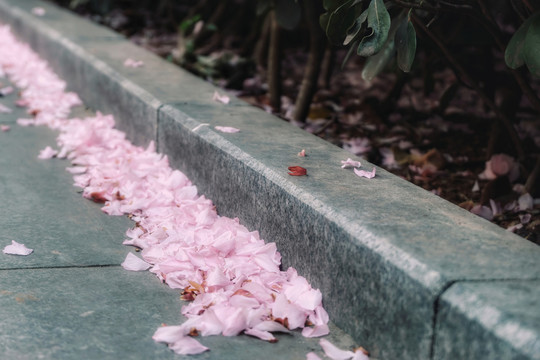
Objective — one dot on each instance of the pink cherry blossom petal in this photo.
(133, 263)
(129, 62)
(224, 99)
(302, 153)
(316, 331)
(17, 249)
(47, 153)
(5, 128)
(261, 334)
(188, 346)
(525, 202)
(38, 11)
(6, 90)
(333, 352)
(482, 211)
(169, 334)
(349, 163)
(312, 356)
(227, 129)
(26, 122)
(366, 174)
(4, 109)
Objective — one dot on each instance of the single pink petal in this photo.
(6, 90)
(5, 128)
(188, 346)
(17, 249)
(38, 11)
(366, 174)
(227, 129)
(333, 352)
(350, 163)
(482, 211)
(316, 331)
(525, 202)
(133, 263)
(224, 99)
(302, 153)
(271, 326)
(4, 109)
(26, 122)
(133, 63)
(169, 334)
(47, 153)
(312, 356)
(525, 218)
(261, 334)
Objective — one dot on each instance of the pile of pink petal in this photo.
(231, 278)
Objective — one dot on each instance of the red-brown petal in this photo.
(297, 171)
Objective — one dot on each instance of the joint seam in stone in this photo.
(435, 315)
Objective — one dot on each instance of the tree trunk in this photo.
(274, 64)
(312, 11)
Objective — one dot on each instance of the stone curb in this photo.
(407, 274)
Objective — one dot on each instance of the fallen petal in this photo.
(333, 352)
(6, 90)
(224, 99)
(47, 153)
(261, 334)
(4, 109)
(188, 346)
(297, 171)
(133, 63)
(482, 211)
(26, 122)
(5, 128)
(312, 356)
(227, 129)
(350, 163)
(360, 354)
(366, 174)
(17, 249)
(133, 263)
(315, 331)
(38, 11)
(302, 153)
(199, 126)
(525, 202)
(525, 218)
(169, 334)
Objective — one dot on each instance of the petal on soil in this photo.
(312, 356)
(188, 346)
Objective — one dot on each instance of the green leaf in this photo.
(405, 44)
(379, 22)
(531, 49)
(339, 21)
(355, 28)
(376, 63)
(288, 13)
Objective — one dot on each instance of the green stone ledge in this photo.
(387, 255)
